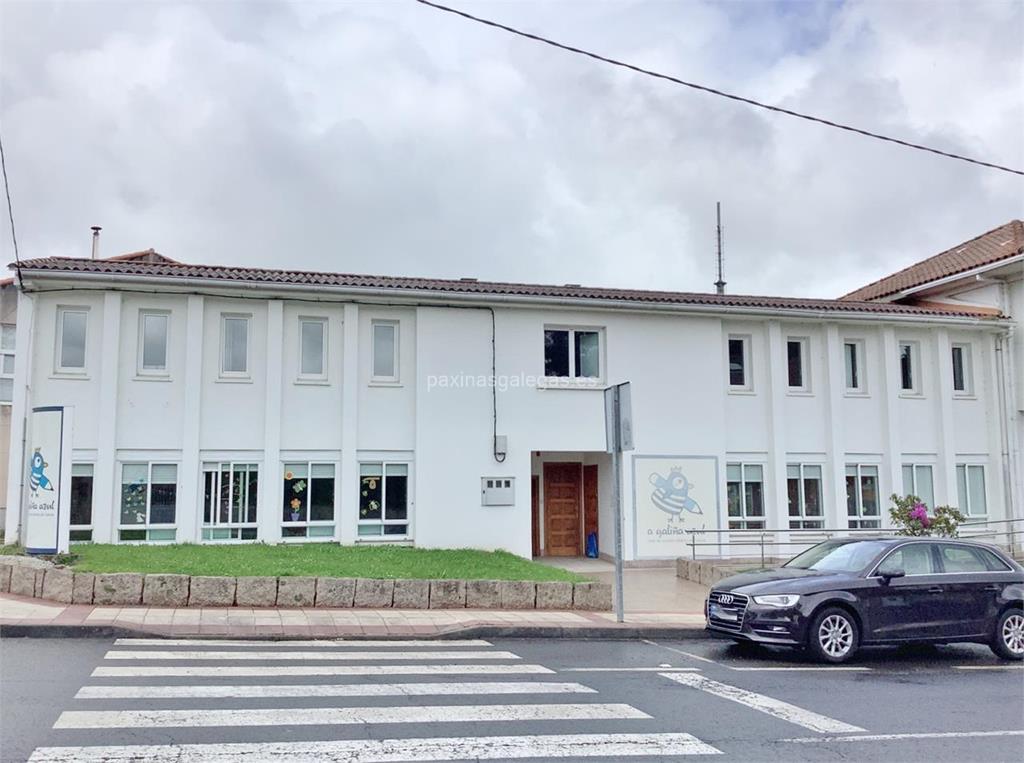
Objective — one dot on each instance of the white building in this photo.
(219, 404)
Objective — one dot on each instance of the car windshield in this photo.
(837, 556)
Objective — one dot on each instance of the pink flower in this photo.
(920, 513)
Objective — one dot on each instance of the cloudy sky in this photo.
(388, 137)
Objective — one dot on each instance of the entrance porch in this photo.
(570, 494)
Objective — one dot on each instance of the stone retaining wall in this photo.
(709, 571)
(42, 580)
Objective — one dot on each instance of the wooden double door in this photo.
(570, 507)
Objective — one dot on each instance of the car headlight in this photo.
(777, 600)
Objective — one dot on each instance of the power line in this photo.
(10, 211)
(713, 91)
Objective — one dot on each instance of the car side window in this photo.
(967, 559)
(915, 559)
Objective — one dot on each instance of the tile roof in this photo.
(231, 274)
(999, 244)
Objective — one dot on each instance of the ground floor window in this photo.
(862, 504)
(230, 491)
(308, 510)
(803, 485)
(149, 496)
(383, 499)
(917, 481)
(81, 502)
(970, 489)
(745, 489)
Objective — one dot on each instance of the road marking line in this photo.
(680, 651)
(388, 750)
(988, 667)
(343, 690)
(232, 671)
(286, 644)
(895, 737)
(628, 670)
(324, 716)
(284, 655)
(783, 710)
(832, 668)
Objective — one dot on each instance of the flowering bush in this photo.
(910, 517)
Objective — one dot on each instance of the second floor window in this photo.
(7, 335)
(962, 382)
(234, 345)
(312, 348)
(71, 334)
(385, 351)
(853, 357)
(572, 353)
(739, 362)
(796, 364)
(153, 342)
(909, 383)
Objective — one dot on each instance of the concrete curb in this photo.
(598, 632)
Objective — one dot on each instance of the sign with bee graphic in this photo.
(47, 492)
(673, 496)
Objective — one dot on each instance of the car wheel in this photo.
(1008, 640)
(833, 635)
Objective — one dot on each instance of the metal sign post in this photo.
(618, 421)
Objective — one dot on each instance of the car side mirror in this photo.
(890, 574)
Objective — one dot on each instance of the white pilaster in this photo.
(190, 511)
(891, 477)
(945, 479)
(106, 497)
(778, 512)
(347, 492)
(21, 401)
(270, 479)
(835, 384)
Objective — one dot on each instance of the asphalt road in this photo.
(227, 702)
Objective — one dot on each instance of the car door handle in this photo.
(994, 587)
(936, 589)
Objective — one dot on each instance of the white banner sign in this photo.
(672, 497)
(48, 481)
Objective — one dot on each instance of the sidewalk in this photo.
(20, 615)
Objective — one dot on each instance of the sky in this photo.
(390, 138)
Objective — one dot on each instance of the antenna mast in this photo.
(720, 283)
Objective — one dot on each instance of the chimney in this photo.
(96, 241)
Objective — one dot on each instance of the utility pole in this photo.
(720, 283)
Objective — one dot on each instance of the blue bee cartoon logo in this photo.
(37, 477)
(672, 494)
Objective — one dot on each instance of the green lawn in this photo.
(320, 559)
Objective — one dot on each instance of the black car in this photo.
(846, 593)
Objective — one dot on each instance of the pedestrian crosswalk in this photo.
(225, 701)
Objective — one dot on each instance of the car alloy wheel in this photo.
(835, 635)
(1013, 633)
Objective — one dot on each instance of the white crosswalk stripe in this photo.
(236, 671)
(317, 716)
(295, 656)
(292, 643)
(466, 688)
(613, 746)
(442, 685)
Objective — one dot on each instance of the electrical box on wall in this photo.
(497, 491)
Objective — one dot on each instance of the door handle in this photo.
(994, 587)
(936, 589)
